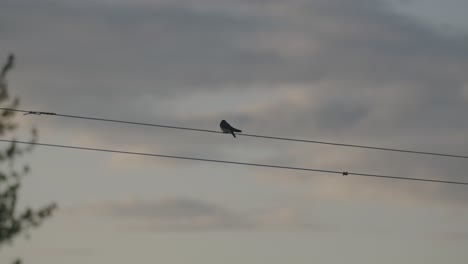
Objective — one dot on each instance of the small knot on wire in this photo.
(345, 173)
(39, 113)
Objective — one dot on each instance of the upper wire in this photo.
(245, 134)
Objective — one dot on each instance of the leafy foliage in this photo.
(13, 223)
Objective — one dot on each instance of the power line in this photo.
(344, 173)
(246, 135)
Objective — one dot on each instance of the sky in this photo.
(388, 73)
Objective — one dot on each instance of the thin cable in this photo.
(246, 135)
(344, 173)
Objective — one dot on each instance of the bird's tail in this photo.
(236, 130)
(232, 132)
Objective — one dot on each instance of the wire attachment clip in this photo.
(39, 113)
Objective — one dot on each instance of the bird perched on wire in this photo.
(227, 128)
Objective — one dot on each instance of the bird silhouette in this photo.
(227, 128)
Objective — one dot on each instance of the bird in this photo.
(227, 128)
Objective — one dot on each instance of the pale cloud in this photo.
(181, 214)
(316, 186)
(128, 162)
(322, 70)
(334, 70)
(465, 92)
(95, 138)
(453, 237)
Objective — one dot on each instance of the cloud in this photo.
(454, 237)
(328, 187)
(465, 92)
(323, 70)
(182, 214)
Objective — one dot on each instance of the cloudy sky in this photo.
(389, 73)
